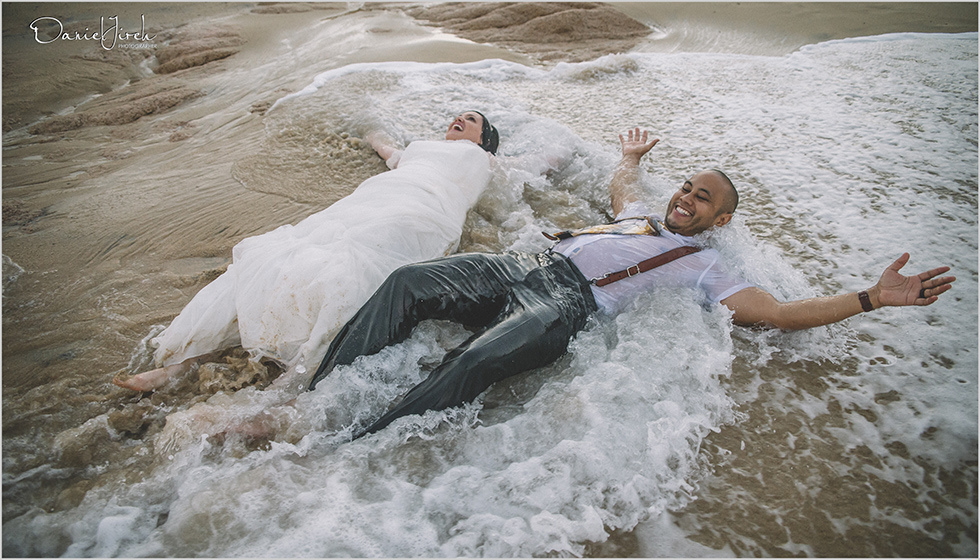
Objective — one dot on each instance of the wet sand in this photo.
(123, 202)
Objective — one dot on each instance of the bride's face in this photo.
(468, 126)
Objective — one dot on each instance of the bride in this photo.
(288, 291)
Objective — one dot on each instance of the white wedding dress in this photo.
(288, 291)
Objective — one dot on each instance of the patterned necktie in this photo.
(642, 225)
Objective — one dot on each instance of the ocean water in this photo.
(664, 431)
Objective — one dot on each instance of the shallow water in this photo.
(663, 432)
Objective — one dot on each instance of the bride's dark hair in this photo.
(489, 138)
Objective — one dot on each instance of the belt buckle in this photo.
(629, 271)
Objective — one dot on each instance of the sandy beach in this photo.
(130, 172)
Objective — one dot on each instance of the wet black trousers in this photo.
(525, 307)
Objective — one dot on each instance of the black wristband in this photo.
(865, 300)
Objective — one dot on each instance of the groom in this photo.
(527, 307)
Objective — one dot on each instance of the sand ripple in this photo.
(188, 52)
(124, 106)
(567, 31)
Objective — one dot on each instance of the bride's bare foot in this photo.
(147, 381)
(156, 378)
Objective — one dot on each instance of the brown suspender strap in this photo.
(646, 265)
